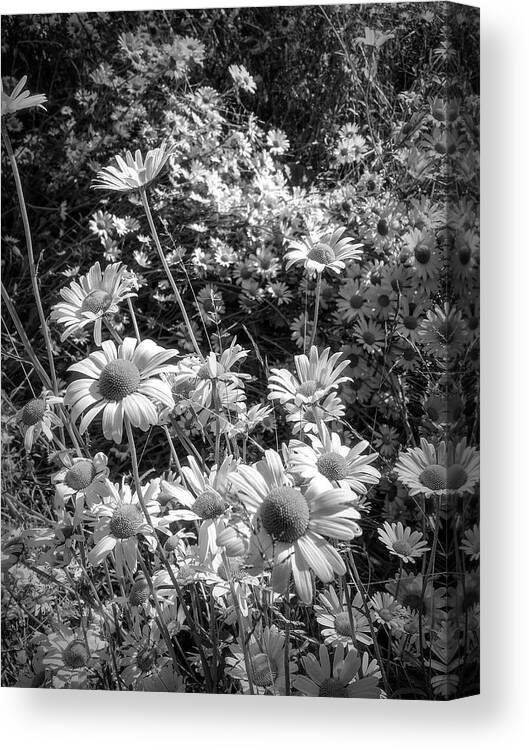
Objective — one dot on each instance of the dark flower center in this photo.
(464, 256)
(410, 322)
(80, 475)
(33, 411)
(209, 504)
(331, 688)
(126, 521)
(97, 301)
(322, 253)
(332, 465)
(369, 338)
(383, 227)
(422, 254)
(119, 378)
(456, 476)
(342, 624)
(285, 514)
(434, 477)
(401, 547)
(383, 300)
(356, 301)
(75, 655)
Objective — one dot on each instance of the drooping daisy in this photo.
(328, 251)
(266, 651)
(470, 543)
(71, 655)
(317, 375)
(133, 172)
(340, 626)
(402, 542)
(20, 99)
(290, 525)
(428, 470)
(84, 478)
(328, 457)
(121, 383)
(92, 297)
(120, 520)
(36, 417)
(340, 681)
(204, 502)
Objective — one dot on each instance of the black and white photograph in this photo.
(240, 352)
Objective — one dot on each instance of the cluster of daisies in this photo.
(240, 518)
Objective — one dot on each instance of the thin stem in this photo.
(168, 273)
(134, 321)
(316, 311)
(31, 259)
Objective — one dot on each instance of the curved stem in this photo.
(168, 273)
(31, 259)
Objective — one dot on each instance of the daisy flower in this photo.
(470, 543)
(340, 681)
(290, 525)
(387, 610)
(402, 542)
(443, 333)
(20, 99)
(36, 417)
(408, 590)
(242, 78)
(428, 470)
(338, 625)
(266, 653)
(316, 376)
(307, 417)
(71, 655)
(121, 383)
(120, 520)
(277, 142)
(370, 335)
(133, 172)
(280, 293)
(349, 150)
(83, 477)
(387, 442)
(328, 251)
(144, 660)
(353, 300)
(425, 260)
(382, 301)
(204, 502)
(101, 223)
(410, 316)
(328, 457)
(91, 298)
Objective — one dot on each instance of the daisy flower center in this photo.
(464, 256)
(383, 300)
(308, 388)
(209, 504)
(368, 338)
(146, 658)
(456, 476)
(422, 254)
(126, 521)
(383, 227)
(285, 514)
(75, 655)
(412, 600)
(119, 378)
(97, 301)
(322, 253)
(331, 688)
(385, 614)
(434, 477)
(80, 475)
(33, 411)
(139, 593)
(332, 465)
(263, 670)
(356, 301)
(401, 547)
(410, 322)
(342, 624)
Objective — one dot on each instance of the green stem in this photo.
(168, 273)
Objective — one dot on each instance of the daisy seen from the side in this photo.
(133, 172)
(406, 544)
(316, 376)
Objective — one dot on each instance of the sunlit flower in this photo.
(387, 442)
(339, 624)
(36, 417)
(427, 470)
(133, 172)
(328, 251)
(470, 543)
(352, 301)
(290, 525)
(402, 542)
(328, 457)
(387, 610)
(121, 383)
(317, 375)
(91, 298)
(20, 99)
(341, 681)
(83, 478)
(277, 141)
(242, 78)
(370, 334)
(307, 417)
